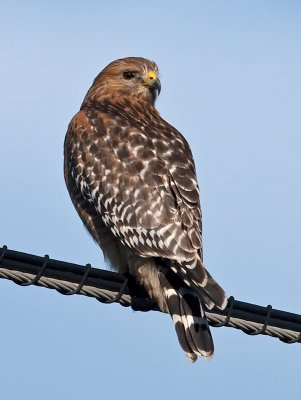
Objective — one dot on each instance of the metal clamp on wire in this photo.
(227, 319)
(264, 326)
(82, 282)
(39, 274)
(119, 294)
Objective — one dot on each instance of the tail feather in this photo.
(175, 290)
(216, 293)
(196, 325)
(211, 294)
(174, 308)
(186, 311)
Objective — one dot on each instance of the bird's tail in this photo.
(185, 307)
(196, 276)
(183, 291)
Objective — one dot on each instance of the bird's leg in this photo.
(146, 273)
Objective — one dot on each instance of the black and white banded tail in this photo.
(185, 304)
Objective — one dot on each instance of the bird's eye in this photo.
(129, 75)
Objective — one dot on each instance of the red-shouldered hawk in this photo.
(132, 179)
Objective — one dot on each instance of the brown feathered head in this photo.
(131, 76)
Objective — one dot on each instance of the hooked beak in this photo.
(157, 85)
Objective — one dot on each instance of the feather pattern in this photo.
(132, 179)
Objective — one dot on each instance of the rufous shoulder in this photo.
(79, 122)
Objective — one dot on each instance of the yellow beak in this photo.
(151, 75)
(153, 81)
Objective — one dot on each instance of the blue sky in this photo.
(231, 83)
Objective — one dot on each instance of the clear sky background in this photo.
(231, 83)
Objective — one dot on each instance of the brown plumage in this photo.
(131, 177)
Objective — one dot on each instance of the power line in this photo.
(107, 287)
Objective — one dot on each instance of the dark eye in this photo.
(129, 75)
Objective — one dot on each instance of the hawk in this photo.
(132, 179)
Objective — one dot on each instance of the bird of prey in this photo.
(132, 179)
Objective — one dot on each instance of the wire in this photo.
(107, 287)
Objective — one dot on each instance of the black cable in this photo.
(107, 287)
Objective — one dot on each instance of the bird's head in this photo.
(128, 77)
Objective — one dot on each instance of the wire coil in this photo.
(109, 287)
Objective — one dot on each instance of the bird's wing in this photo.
(142, 184)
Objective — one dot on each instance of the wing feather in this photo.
(141, 181)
